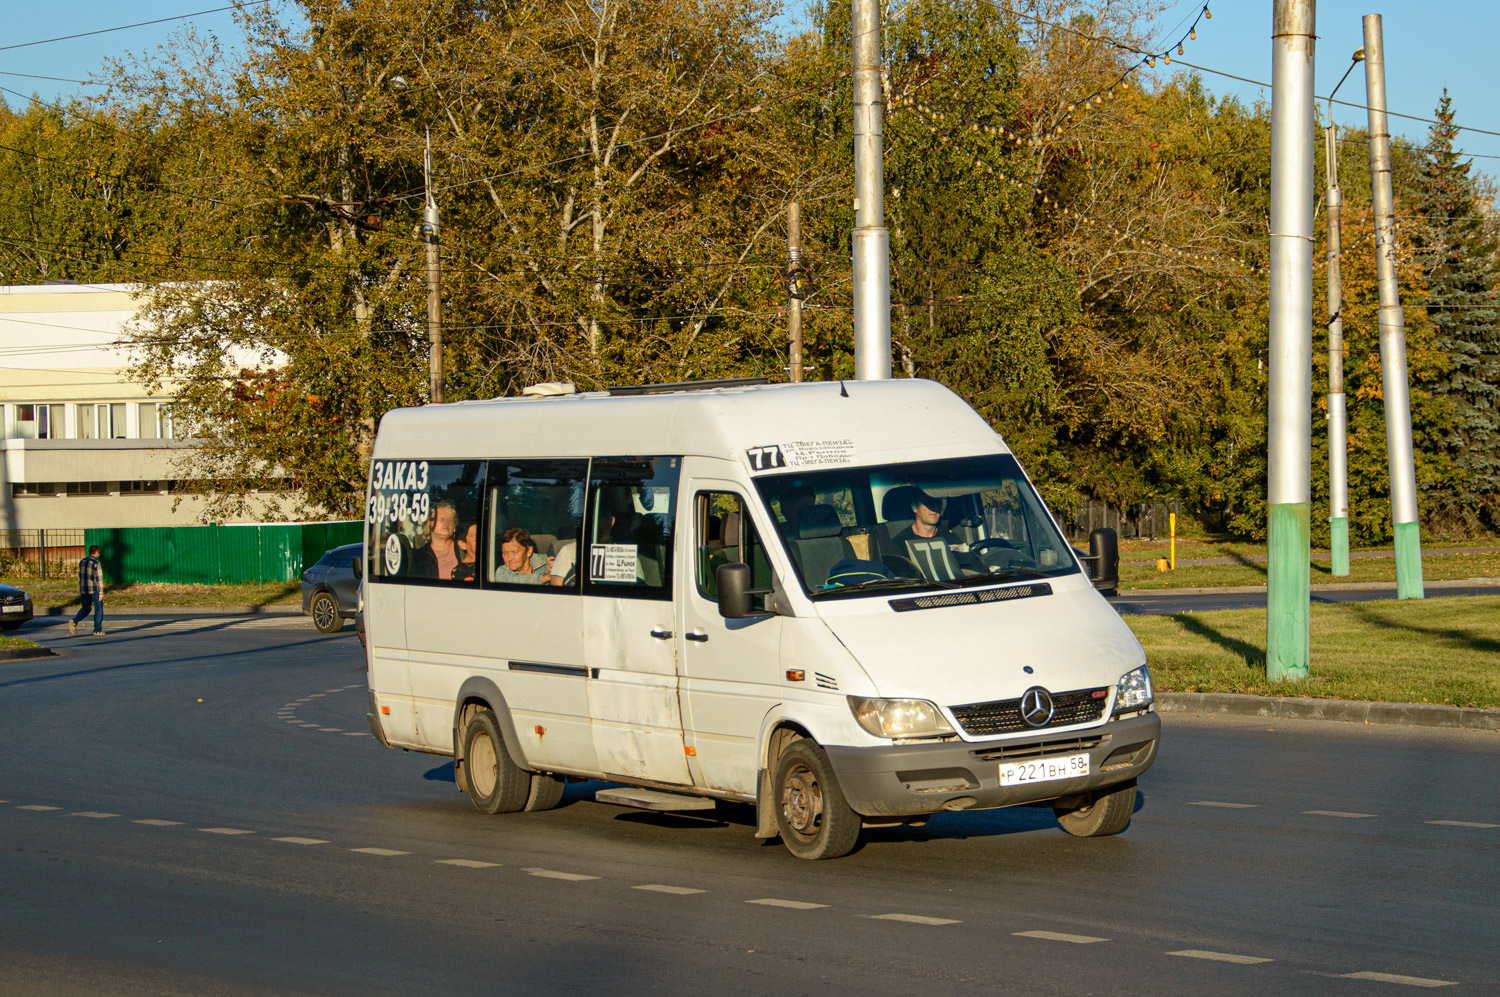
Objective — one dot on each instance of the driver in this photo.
(925, 544)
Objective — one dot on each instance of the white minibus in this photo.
(844, 603)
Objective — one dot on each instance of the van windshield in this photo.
(921, 524)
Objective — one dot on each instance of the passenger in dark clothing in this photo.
(468, 554)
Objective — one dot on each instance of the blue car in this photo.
(330, 592)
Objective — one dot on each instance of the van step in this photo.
(652, 799)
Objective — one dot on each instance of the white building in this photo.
(84, 446)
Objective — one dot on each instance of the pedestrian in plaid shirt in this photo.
(90, 592)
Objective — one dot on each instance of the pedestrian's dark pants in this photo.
(94, 602)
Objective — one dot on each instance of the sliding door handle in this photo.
(697, 635)
(661, 633)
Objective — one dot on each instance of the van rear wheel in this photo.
(812, 815)
(1107, 812)
(497, 785)
(546, 792)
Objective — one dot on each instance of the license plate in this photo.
(1043, 770)
(12, 609)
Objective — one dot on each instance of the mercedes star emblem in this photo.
(1036, 707)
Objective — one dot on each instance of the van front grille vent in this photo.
(971, 598)
(1003, 716)
(825, 681)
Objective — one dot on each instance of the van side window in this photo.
(420, 514)
(535, 517)
(725, 535)
(632, 505)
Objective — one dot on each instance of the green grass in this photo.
(1140, 550)
(1411, 651)
(64, 593)
(1435, 567)
(9, 642)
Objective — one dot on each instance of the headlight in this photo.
(899, 717)
(1133, 692)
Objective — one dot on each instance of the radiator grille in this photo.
(1003, 716)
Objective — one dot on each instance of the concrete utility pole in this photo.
(795, 288)
(872, 243)
(1338, 436)
(1393, 377)
(434, 302)
(1289, 485)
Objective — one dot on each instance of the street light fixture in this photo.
(1338, 441)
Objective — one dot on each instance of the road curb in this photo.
(19, 653)
(1346, 710)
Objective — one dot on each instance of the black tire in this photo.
(497, 785)
(326, 615)
(1107, 812)
(812, 815)
(546, 792)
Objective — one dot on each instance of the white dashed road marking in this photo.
(1239, 960)
(157, 822)
(1410, 981)
(302, 841)
(331, 730)
(379, 851)
(467, 863)
(224, 830)
(914, 919)
(1335, 813)
(790, 904)
(1228, 806)
(1058, 936)
(37, 806)
(1461, 823)
(93, 813)
(571, 877)
(676, 891)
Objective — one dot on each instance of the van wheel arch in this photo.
(478, 694)
(781, 735)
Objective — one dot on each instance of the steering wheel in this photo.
(979, 546)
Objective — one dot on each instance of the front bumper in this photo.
(909, 779)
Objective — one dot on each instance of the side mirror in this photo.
(735, 592)
(358, 567)
(1104, 559)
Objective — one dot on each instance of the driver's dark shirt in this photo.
(932, 556)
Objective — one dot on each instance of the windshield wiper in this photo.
(893, 581)
(1005, 575)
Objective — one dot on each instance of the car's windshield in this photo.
(921, 524)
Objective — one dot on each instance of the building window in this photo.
(146, 419)
(38, 422)
(86, 488)
(88, 427)
(147, 487)
(22, 489)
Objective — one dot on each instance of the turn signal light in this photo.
(796, 675)
(386, 710)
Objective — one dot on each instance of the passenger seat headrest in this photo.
(818, 521)
(896, 504)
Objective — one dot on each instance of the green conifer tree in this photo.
(1458, 259)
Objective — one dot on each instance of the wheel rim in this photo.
(484, 767)
(802, 801)
(323, 612)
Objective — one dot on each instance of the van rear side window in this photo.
(420, 514)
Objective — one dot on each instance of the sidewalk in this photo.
(1331, 587)
(1318, 555)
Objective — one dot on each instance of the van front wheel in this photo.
(812, 815)
(1106, 812)
(497, 785)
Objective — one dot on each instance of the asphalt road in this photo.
(196, 807)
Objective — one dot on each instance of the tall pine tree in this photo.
(1458, 259)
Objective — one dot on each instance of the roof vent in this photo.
(549, 389)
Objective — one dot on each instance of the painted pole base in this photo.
(1338, 545)
(1288, 592)
(1408, 561)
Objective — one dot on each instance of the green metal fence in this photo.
(216, 555)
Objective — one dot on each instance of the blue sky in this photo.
(1429, 44)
